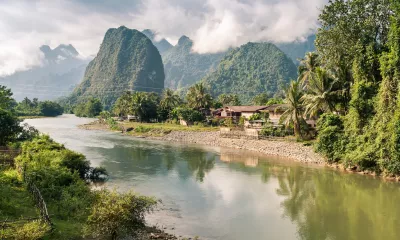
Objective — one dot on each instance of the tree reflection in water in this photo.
(332, 205)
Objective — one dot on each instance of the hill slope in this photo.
(251, 69)
(127, 60)
(184, 67)
(62, 69)
(297, 50)
(162, 45)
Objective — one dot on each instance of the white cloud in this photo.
(214, 25)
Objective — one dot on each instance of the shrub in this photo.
(117, 215)
(31, 231)
(187, 114)
(330, 137)
(241, 121)
(255, 116)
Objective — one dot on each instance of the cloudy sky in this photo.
(214, 25)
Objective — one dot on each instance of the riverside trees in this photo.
(352, 80)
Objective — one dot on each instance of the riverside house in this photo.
(240, 111)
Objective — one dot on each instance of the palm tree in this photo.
(307, 68)
(123, 105)
(319, 96)
(294, 113)
(197, 97)
(169, 99)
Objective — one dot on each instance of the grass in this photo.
(161, 129)
(15, 200)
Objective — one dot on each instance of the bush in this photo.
(255, 116)
(9, 127)
(31, 231)
(272, 131)
(117, 215)
(330, 137)
(186, 114)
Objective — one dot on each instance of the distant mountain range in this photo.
(127, 60)
(133, 60)
(61, 70)
(183, 67)
(162, 45)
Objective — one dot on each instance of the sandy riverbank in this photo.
(293, 150)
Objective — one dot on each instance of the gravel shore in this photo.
(292, 150)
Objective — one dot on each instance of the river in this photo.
(218, 193)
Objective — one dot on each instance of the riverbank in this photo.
(288, 149)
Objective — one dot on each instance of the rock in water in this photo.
(127, 61)
(251, 69)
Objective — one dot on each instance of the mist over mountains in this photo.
(131, 55)
(62, 68)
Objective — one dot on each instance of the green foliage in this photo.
(255, 116)
(320, 95)
(294, 113)
(9, 127)
(49, 108)
(144, 105)
(274, 101)
(187, 114)
(330, 141)
(228, 122)
(198, 97)
(35, 107)
(241, 121)
(91, 108)
(183, 67)
(34, 230)
(127, 60)
(117, 215)
(275, 131)
(251, 69)
(6, 100)
(229, 99)
(260, 99)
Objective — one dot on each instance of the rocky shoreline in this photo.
(292, 150)
(288, 149)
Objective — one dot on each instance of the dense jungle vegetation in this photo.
(29, 161)
(251, 69)
(351, 84)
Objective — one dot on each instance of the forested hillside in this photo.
(251, 69)
(296, 50)
(183, 67)
(61, 70)
(127, 60)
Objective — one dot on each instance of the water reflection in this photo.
(234, 194)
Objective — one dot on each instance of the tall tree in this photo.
(307, 68)
(123, 105)
(294, 113)
(198, 97)
(320, 95)
(144, 106)
(6, 99)
(169, 99)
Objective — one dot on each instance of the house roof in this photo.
(276, 107)
(245, 108)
